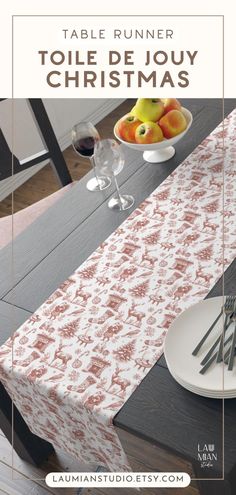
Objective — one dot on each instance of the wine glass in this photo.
(109, 161)
(84, 137)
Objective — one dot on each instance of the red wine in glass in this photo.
(84, 138)
(85, 146)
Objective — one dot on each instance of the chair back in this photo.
(9, 163)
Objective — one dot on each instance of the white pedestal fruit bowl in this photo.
(162, 151)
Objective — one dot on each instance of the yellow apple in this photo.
(148, 109)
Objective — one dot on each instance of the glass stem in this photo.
(94, 169)
(118, 191)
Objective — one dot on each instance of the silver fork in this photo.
(204, 338)
(228, 303)
(232, 348)
(213, 358)
(228, 309)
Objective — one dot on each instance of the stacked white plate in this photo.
(183, 336)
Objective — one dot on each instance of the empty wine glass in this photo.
(84, 137)
(109, 161)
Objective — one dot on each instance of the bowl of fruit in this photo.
(154, 126)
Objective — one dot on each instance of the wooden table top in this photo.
(50, 250)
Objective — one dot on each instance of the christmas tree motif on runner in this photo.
(140, 290)
(212, 207)
(152, 239)
(125, 352)
(205, 254)
(68, 331)
(89, 271)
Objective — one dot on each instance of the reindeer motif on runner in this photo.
(118, 384)
(60, 358)
(81, 295)
(161, 214)
(134, 315)
(205, 276)
(146, 258)
(208, 225)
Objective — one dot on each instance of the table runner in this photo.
(78, 359)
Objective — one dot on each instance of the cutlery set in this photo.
(224, 347)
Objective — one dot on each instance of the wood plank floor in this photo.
(20, 478)
(45, 182)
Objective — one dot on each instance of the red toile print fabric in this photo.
(78, 359)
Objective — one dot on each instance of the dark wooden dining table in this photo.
(162, 426)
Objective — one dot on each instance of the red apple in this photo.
(148, 133)
(125, 127)
(171, 104)
(173, 123)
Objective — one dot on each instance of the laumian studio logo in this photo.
(207, 455)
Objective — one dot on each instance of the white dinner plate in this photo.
(183, 336)
(210, 395)
(184, 383)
